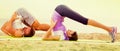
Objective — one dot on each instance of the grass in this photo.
(23, 44)
(86, 42)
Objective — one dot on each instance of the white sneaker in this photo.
(113, 33)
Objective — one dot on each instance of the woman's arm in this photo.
(48, 35)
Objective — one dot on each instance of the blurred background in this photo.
(106, 12)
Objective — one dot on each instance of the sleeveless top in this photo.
(59, 25)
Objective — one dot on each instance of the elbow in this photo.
(2, 29)
(51, 39)
(18, 36)
(44, 38)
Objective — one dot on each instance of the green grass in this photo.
(36, 44)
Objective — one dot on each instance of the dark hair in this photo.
(31, 33)
(74, 37)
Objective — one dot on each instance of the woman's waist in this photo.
(59, 28)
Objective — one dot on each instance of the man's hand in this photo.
(14, 17)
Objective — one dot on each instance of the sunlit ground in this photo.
(35, 43)
(38, 45)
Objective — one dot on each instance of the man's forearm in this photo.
(14, 17)
(10, 28)
(6, 32)
(3, 28)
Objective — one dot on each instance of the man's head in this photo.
(28, 31)
(72, 35)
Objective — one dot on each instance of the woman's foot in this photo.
(113, 33)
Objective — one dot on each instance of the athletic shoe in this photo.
(113, 34)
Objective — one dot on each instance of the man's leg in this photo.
(39, 26)
(29, 20)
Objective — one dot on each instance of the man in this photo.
(14, 26)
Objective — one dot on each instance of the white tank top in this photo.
(17, 24)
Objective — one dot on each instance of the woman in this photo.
(63, 11)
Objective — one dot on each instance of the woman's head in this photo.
(72, 35)
(28, 31)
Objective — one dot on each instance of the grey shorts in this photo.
(27, 17)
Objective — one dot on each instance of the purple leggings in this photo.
(66, 12)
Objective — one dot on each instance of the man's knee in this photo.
(20, 11)
(43, 27)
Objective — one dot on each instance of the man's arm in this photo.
(8, 27)
(3, 28)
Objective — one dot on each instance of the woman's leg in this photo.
(97, 24)
(65, 11)
(112, 30)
